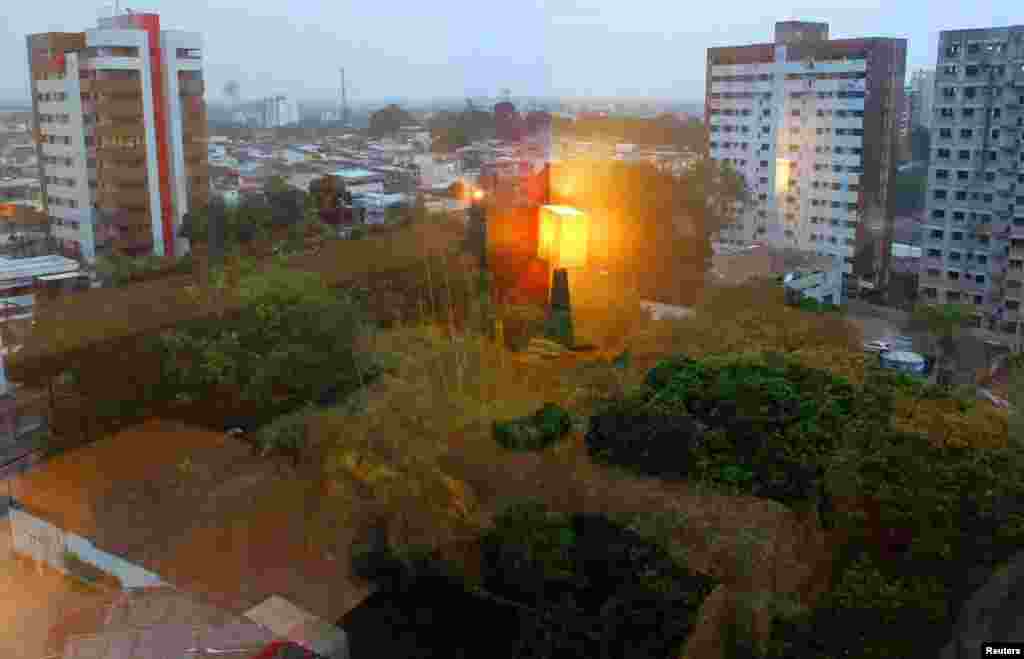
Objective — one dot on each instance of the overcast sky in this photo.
(461, 47)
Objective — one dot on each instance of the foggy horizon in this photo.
(549, 49)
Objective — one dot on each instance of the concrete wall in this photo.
(47, 543)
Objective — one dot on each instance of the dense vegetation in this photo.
(760, 423)
(928, 521)
(580, 585)
(291, 341)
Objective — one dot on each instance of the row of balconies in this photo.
(112, 87)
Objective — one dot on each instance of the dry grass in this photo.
(431, 419)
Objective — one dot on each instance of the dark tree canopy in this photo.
(388, 120)
(665, 130)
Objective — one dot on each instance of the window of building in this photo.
(963, 154)
(963, 175)
(937, 234)
(940, 194)
(968, 113)
(943, 154)
(970, 92)
(946, 133)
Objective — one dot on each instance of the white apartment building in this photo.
(810, 123)
(974, 231)
(120, 127)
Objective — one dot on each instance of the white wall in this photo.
(46, 543)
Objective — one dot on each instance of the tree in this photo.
(944, 323)
(909, 192)
(387, 121)
(292, 338)
(287, 204)
(328, 196)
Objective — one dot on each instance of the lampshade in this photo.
(564, 234)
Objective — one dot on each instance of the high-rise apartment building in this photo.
(120, 129)
(811, 124)
(922, 82)
(973, 249)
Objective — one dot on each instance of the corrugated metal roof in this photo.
(35, 266)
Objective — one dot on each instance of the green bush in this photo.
(872, 613)
(769, 423)
(538, 431)
(598, 585)
(292, 341)
(287, 435)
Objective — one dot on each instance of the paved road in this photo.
(994, 613)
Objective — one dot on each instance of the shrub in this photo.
(538, 431)
(650, 442)
(597, 586)
(872, 613)
(762, 423)
(286, 435)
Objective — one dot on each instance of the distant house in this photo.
(803, 273)
(361, 180)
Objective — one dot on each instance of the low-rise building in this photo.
(804, 273)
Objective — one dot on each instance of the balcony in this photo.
(116, 87)
(134, 198)
(130, 176)
(124, 108)
(121, 129)
(118, 157)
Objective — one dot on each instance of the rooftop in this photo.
(735, 265)
(12, 269)
(354, 173)
(230, 531)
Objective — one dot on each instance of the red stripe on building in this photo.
(151, 24)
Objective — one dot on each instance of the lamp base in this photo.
(558, 326)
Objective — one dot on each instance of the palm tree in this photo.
(944, 323)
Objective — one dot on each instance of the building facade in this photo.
(119, 123)
(811, 124)
(904, 124)
(922, 82)
(974, 227)
(279, 111)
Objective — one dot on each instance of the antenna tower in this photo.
(343, 111)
